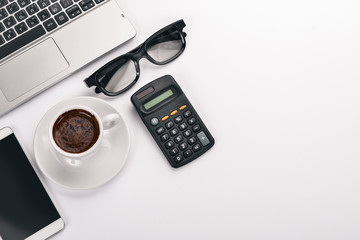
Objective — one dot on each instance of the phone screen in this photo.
(25, 206)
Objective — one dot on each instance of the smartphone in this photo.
(26, 210)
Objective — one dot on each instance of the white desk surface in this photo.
(277, 83)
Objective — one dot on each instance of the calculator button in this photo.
(178, 139)
(165, 118)
(169, 144)
(154, 121)
(203, 138)
(160, 130)
(178, 119)
(191, 121)
(196, 147)
(165, 137)
(187, 114)
(187, 133)
(183, 146)
(174, 151)
(192, 140)
(196, 128)
(173, 112)
(183, 126)
(174, 132)
(187, 153)
(182, 107)
(178, 158)
(169, 124)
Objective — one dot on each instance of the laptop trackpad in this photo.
(18, 76)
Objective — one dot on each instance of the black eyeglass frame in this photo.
(136, 55)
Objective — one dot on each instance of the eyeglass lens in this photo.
(121, 73)
(118, 75)
(165, 46)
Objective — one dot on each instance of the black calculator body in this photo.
(172, 121)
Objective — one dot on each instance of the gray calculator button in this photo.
(178, 158)
(196, 128)
(183, 126)
(154, 121)
(183, 146)
(187, 153)
(191, 121)
(174, 132)
(178, 119)
(203, 138)
(169, 124)
(196, 147)
(165, 137)
(187, 133)
(187, 114)
(174, 151)
(169, 144)
(160, 130)
(178, 139)
(192, 140)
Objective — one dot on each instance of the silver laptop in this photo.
(44, 41)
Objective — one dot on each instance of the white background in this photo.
(277, 83)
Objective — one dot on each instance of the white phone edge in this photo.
(4, 132)
(50, 229)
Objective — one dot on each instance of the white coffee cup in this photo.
(105, 123)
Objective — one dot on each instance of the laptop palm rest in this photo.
(17, 77)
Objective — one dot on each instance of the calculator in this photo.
(172, 121)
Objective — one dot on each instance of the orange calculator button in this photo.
(173, 112)
(182, 107)
(164, 118)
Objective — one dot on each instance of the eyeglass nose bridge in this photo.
(137, 54)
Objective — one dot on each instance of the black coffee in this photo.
(76, 131)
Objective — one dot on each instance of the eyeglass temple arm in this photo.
(90, 81)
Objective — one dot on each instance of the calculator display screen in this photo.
(158, 99)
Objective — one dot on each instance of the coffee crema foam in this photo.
(76, 131)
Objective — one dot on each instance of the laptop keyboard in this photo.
(23, 21)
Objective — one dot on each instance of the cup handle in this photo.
(110, 120)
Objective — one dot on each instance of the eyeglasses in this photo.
(120, 74)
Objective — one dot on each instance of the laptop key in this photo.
(21, 27)
(66, 3)
(9, 34)
(2, 28)
(61, 18)
(50, 24)
(43, 3)
(43, 15)
(3, 14)
(73, 11)
(21, 15)
(3, 3)
(55, 8)
(12, 7)
(32, 9)
(24, 3)
(9, 22)
(86, 4)
(32, 21)
(21, 40)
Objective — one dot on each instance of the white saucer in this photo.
(95, 171)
